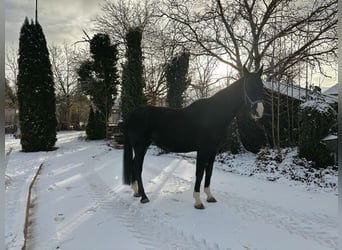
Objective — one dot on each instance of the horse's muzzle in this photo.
(257, 110)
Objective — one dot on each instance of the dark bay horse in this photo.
(199, 127)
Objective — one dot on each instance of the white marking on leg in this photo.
(198, 203)
(207, 191)
(260, 109)
(197, 198)
(135, 187)
(210, 197)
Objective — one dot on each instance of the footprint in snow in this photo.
(92, 210)
(59, 218)
(52, 187)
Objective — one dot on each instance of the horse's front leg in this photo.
(208, 173)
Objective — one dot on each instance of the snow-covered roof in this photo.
(298, 92)
(330, 138)
(333, 90)
(293, 91)
(331, 94)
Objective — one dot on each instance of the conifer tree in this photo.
(100, 125)
(98, 76)
(90, 128)
(177, 80)
(133, 82)
(36, 93)
(96, 127)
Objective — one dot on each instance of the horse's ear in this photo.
(245, 71)
(260, 71)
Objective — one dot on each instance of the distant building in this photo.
(298, 93)
(331, 95)
(115, 115)
(11, 116)
(10, 119)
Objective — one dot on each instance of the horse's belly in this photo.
(175, 144)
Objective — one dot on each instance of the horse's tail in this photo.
(127, 160)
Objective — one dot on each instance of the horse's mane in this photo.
(221, 94)
(229, 88)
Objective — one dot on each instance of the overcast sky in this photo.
(62, 20)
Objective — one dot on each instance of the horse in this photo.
(200, 127)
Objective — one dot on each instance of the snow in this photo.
(330, 137)
(318, 105)
(80, 203)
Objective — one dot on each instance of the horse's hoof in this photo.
(144, 200)
(136, 195)
(199, 206)
(211, 199)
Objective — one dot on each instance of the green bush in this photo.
(316, 120)
(96, 127)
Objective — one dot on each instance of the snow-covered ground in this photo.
(80, 203)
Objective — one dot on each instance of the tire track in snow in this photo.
(292, 221)
(148, 226)
(167, 181)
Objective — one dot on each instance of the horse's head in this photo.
(253, 92)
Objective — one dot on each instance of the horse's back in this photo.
(174, 130)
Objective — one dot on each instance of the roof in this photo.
(297, 92)
(293, 91)
(333, 90)
(330, 137)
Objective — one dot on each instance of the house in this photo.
(291, 96)
(331, 94)
(115, 122)
(115, 115)
(11, 118)
(299, 93)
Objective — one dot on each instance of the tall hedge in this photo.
(36, 92)
(133, 82)
(177, 79)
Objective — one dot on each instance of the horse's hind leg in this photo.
(208, 173)
(138, 164)
(199, 177)
(135, 187)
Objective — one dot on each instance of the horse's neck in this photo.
(226, 103)
(232, 97)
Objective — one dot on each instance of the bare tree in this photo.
(202, 71)
(11, 73)
(245, 30)
(283, 35)
(119, 16)
(155, 89)
(160, 45)
(10, 96)
(64, 60)
(12, 65)
(160, 41)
